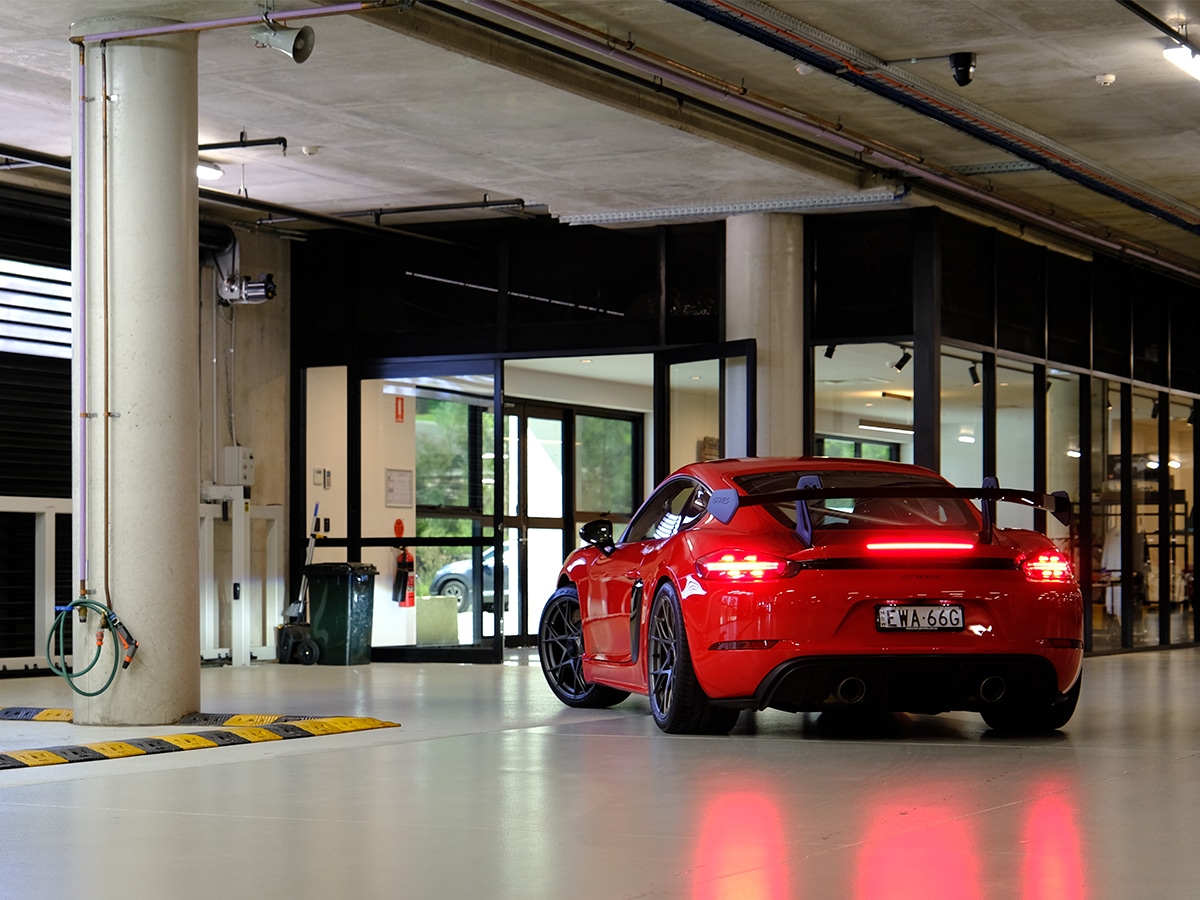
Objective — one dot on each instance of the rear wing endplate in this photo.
(724, 503)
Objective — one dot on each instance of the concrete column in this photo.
(764, 300)
(136, 481)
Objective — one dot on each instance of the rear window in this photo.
(865, 512)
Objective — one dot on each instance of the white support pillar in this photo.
(136, 480)
(764, 300)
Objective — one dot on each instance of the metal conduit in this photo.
(867, 152)
(873, 75)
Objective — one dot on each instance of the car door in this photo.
(621, 583)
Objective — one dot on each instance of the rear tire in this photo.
(677, 702)
(1034, 719)
(459, 591)
(560, 646)
(307, 652)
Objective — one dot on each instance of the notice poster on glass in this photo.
(399, 487)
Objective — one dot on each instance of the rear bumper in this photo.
(904, 683)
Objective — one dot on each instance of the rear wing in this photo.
(724, 503)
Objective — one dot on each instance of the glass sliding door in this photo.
(862, 404)
(608, 470)
(534, 514)
(430, 487)
(705, 405)
(962, 432)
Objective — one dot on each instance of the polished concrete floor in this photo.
(490, 788)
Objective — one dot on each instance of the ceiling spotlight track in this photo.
(784, 33)
(1179, 37)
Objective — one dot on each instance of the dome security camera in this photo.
(962, 66)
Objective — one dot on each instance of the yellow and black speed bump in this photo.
(239, 729)
(35, 713)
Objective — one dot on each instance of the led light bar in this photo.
(919, 545)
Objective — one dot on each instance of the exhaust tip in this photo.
(850, 689)
(991, 689)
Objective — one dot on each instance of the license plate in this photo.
(911, 617)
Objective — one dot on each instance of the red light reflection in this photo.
(740, 852)
(1053, 862)
(914, 849)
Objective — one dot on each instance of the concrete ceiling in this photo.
(674, 116)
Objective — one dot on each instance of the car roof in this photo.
(722, 472)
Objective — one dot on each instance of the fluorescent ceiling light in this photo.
(966, 438)
(208, 171)
(1182, 57)
(891, 427)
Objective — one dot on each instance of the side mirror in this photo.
(599, 533)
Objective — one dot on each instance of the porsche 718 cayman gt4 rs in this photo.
(807, 584)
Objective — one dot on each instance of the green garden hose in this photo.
(59, 630)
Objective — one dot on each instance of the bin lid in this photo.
(340, 568)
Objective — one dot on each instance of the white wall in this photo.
(245, 370)
(325, 449)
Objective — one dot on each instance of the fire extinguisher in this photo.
(404, 589)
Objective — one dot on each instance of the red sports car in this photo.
(807, 584)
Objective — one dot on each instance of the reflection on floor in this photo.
(491, 788)
(1106, 627)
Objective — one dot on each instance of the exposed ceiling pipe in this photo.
(235, 21)
(285, 213)
(864, 151)
(515, 205)
(788, 35)
(243, 142)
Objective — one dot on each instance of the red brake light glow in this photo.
(919, 545)
(739, 565)
(1049, 567)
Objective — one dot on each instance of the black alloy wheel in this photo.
(560, 646)
(677, 702)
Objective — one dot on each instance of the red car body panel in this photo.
(746, 637)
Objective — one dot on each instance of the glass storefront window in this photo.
(862, 402)
(1146, 460)
(1106, 515)
(1063, 453)
(603, 474)
(1014, 438)
(962, 418)
(1181, 463)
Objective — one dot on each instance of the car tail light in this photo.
(741, 565)
(919, 546)
(1048, 567)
